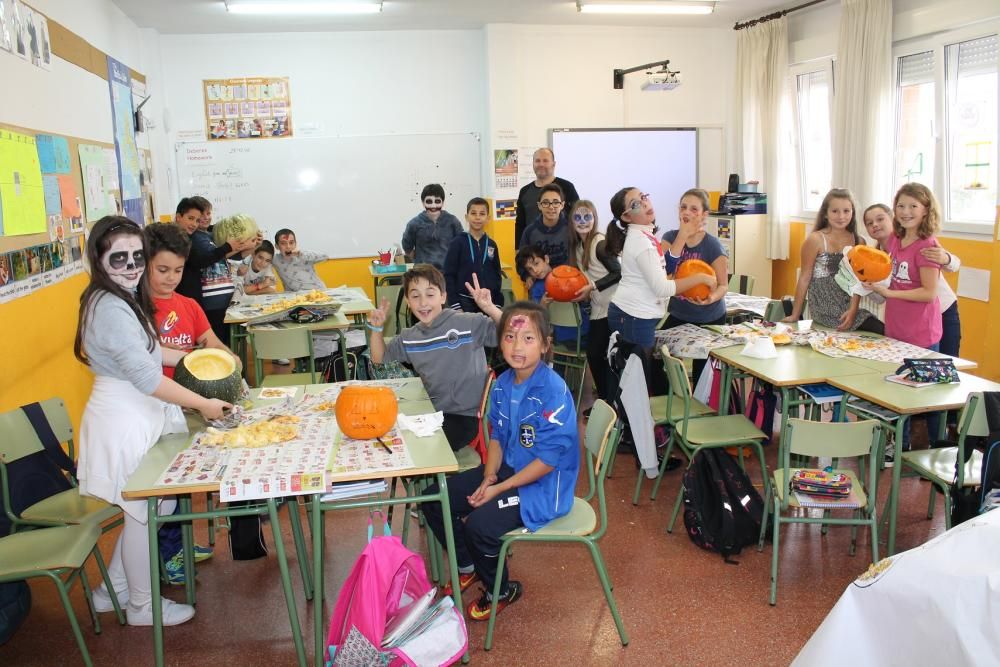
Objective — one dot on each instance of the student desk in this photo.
(906, 401)
(337, 323)
(431, 456)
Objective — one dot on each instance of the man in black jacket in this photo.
(544, 164)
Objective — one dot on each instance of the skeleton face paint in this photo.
(124, 261)
(433, 206)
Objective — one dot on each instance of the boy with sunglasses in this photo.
(427, 236)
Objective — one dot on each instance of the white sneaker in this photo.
(102, 599)
(282, 362)
(173, 613)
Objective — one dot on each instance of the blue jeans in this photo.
(635, 330)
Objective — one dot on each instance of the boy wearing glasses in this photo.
(427, 236)
(550, 232)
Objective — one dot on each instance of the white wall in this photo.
(542, 77)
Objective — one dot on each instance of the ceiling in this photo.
(210, 16)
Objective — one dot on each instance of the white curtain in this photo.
(862, 102)
(764, 137)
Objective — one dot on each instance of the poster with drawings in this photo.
(247, 108)
(6, 44)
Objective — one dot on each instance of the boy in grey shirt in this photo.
(295, 267)
(446, 348)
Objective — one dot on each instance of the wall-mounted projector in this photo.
(662, 80)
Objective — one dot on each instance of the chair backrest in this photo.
(836, 439)
(287, 343)
(564, 313)
(741, 283)
(972, 421)
(774, 312)
(391, 294)
(18, 438)
(601, 440)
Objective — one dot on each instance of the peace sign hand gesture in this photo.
(483, 298)
(378, 317)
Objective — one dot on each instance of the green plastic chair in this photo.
(694, 430)
(937, 465)
(740, 283)
(571, 355)
(392, 294)
(289, 343)
(53, 553)
(840, 440)
(666, 410)
(581, 524)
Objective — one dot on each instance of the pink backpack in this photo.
(386, 578)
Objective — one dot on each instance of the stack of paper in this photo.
(415, 619)
(342, 490)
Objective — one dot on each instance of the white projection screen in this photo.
(660, 161)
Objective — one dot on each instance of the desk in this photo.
(430, 455)
(907, 401)
(379, 278)
(336, 323)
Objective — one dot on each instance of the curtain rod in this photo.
(775, 15)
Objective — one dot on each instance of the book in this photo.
(342, 490)
(872, 410)
(904, 379)
(825, 502)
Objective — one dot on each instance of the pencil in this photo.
(384, 445)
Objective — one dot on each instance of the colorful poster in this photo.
(53, 154)
(29, 269)
(247, 108)
(68, 197)
(505, 169)
(19, 29)
(100, 183)
(53, 200)
(126, 150)
(41, 48)
(21, 191)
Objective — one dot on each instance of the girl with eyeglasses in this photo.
(641, 298)
(125, 415)
(588, 252)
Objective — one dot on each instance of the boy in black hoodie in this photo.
(473, 253)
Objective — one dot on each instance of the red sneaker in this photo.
(464, 581)
(480, 609)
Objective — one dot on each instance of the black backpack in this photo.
(722, 509)
(966, 503)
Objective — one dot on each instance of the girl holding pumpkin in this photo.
(116, 337)
(532, 461)
(836, 227)
(588, 251)
(690, 241)
(640, 300)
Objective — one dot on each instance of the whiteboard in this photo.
(662, 162)
(342, 196)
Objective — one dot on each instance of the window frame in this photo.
(937, 43)
(824, 64)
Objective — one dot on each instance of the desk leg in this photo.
(319, 658)
(897, 469)
(187, 540)
(449, 538)
(286, 582)
(154, 571)
(725, 382)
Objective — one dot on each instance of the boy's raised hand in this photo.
(378, 316)
(481, 295)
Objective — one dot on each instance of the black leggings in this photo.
(597, 354)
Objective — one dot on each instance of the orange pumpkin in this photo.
(563, 282)
(690, 267)
(870, 264)
(364, 412)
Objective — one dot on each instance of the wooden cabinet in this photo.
(745, 239)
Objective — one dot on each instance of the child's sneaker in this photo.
(890, 451)
(480, 609)
(282, 362)
(175, 570)
(464, 581)
(201, 553)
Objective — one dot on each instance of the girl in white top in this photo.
(125, 415)
(588, 252)
(641, 298)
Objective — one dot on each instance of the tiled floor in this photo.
(680, 605)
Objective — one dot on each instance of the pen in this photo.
(384, 445)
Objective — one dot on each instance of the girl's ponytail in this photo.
(615, 236)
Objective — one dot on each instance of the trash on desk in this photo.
(421, 425)
(761, 347)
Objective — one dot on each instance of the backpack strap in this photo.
(53, 448)
(386, 528)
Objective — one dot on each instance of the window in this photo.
(812, 102)
(946, 125)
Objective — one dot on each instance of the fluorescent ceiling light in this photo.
(325, 7)
(644, 7)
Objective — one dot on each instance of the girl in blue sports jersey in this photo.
(531, 466)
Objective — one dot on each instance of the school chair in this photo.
(54, 552)
(290, 343)
(507, 290)
(581, 524)
(572, 354)
(938, 465)
(859, 440)
(694, 430)
(740, 283)
(391, 293)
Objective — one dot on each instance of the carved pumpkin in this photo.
(870, 264)
(690, 267)
(563, 282)
(364, 413)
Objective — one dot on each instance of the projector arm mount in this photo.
(619, 74)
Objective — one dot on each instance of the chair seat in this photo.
(939, 465)
(70, 507)
(467, 458)
(565, 350)
(780, 486)
(288, 379)
(658, 406)
(46, 549)
(721, 430)
(580, 520)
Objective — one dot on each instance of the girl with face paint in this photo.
(588, 252)
(125, 414)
